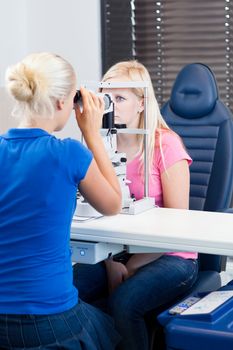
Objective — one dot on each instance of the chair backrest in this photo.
(204, 123)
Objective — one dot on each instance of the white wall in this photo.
(67, 27)
(13, 37)
(13, 44)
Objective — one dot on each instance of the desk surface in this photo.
(168, 229)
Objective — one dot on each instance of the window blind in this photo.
(117, 31)
(165, 35)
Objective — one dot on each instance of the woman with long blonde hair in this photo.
(140, 283)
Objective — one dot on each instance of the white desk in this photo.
(167, 229)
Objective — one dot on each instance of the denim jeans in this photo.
(80, 328)
(153, 285)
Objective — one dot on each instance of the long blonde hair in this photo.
(37, 83)
(135, 71)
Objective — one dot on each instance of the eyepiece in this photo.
(77, 97)
(106, 97)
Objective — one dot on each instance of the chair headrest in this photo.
(194, 93)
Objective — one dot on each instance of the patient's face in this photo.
(126, 104)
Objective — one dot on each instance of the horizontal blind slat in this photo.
(165, 35)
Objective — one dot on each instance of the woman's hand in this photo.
(116, 272)
(90, 119)
(101, 177)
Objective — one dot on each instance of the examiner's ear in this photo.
(60, 104)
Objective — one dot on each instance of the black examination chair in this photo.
(196, 113)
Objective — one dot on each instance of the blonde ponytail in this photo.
(37, 83)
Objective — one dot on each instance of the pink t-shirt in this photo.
(173, 152)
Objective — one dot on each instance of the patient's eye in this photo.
(120, 98)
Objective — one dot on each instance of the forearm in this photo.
(96, 145)
(139, 260)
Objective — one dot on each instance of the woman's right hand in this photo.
(90, 119)
(100, 187)
(116, 272)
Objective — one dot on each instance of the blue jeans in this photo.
(153, 285)
(81, 328)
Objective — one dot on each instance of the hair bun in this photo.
(24, 82)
